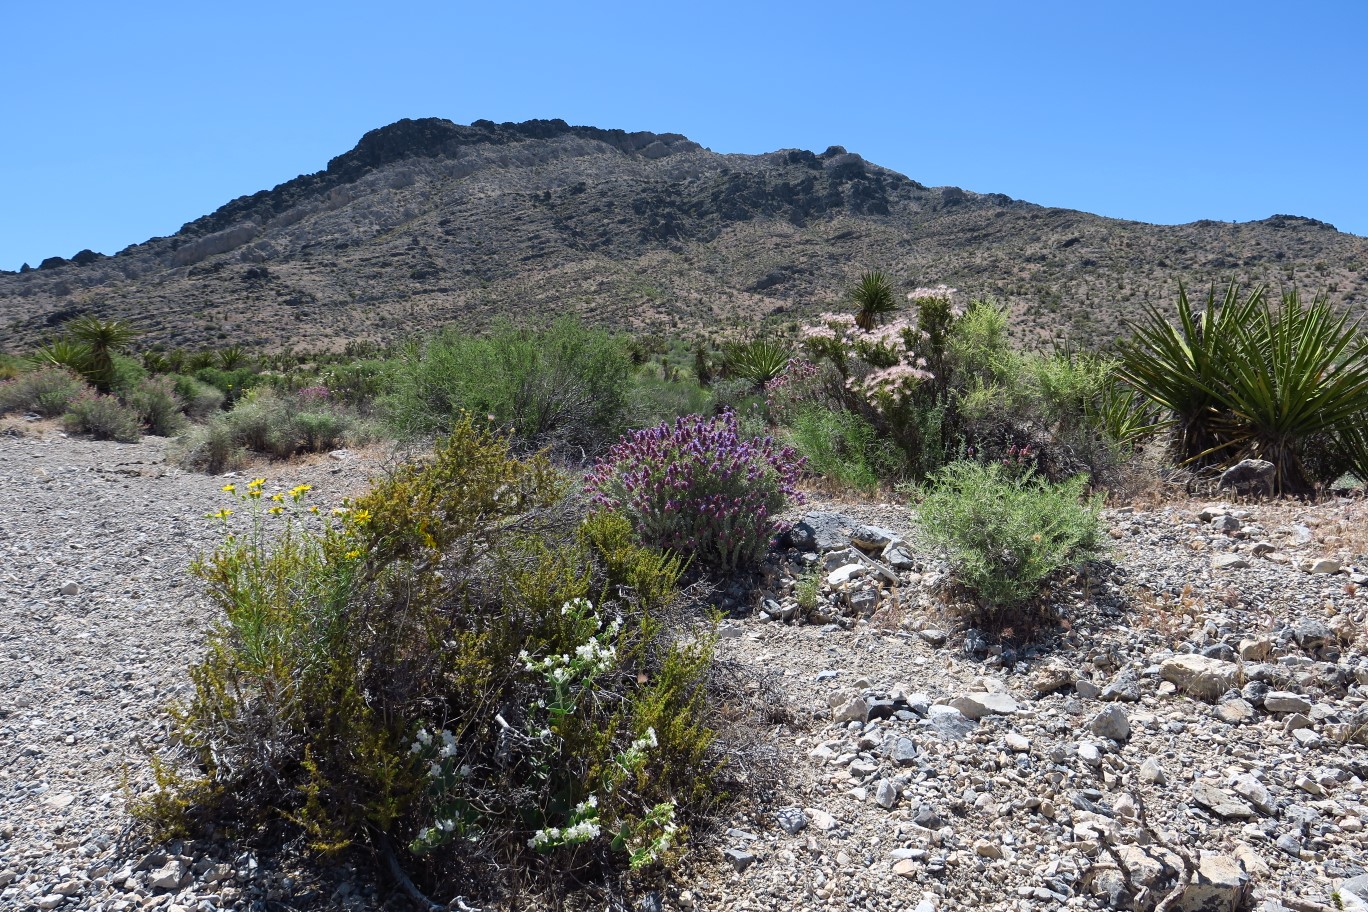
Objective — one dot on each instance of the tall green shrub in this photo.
(564, 386)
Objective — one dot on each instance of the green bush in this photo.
(158, 407)
(234, 384)
(1245, 378)
(212, 448)
(46, 391)
(279, 425)
(565, 386)
(459, 670)
(201, 400)
(102, 417)
(1008, 532)
(843, 448)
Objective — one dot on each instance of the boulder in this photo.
(975, 706)
(1200, 676)
(1220, 885)
(1249, 475)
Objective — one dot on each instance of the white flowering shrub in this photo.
(460, 668)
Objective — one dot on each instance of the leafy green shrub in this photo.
(103, 418)
(158, 407)
(1250, 379)
(234, 384)
(201, 400)
(460, 670)
(565, 386)
(843, 447)
(212, 448)
(46, 391)
(279, 425)
(652, 399)
(1008, 532)
(698, 488)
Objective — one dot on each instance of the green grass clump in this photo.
(274, 424)
(843, 448)
(1008, 532)
(462, 669)
(102, 417)
(46, 391)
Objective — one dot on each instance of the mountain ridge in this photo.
(427, 221)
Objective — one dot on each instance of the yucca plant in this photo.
(873, 299)
(757, 360)
(102, 338)
(1247, 379)
(232, 358)
(65, 353)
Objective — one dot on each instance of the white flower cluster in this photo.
(583, 829)
(429, 834)
(646, 741)
(590, 658)
(445, 750)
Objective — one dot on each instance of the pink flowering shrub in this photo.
(698, 488)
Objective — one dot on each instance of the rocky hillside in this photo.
(428, 222)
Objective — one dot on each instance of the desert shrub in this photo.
(460, 674)
(562, 387)
(1247, 378)
(234, 384)
(652, 399)
(843, 448)
(157, 406)
(46, 391)
(1008, 531)
(201, 400)
(102, 417)
(11, 366)
(124, 375)
(212, 448)
(698, 488)
(279, 425)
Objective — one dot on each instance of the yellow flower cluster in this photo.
(254, 492)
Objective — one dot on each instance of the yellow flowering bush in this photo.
(459, 666)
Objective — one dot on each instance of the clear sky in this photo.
(123, 121)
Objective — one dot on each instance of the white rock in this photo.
(975, 706)
(1200, 676)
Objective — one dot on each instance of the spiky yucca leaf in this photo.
(758, 360)
(873, 299)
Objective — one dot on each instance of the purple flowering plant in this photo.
(697, 487)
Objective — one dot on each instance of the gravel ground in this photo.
(1205, 700)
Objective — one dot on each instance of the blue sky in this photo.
(124, 121)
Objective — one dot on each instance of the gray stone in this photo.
(1229, 562)
(886, 795)
(820, 531)
(169, 876)
(864, 602)
(899, 556)
(1125, 687)
(1321, 565)
(1312, 635)
(1249, 474)
(740, 859)
(1357, 885)
(1253, 791)
(1225, 523)
(934, 636)
(947, 723)
(791, 820)
(975, 706)
(1050, 678)
(1220, 885)
(1235, 712)
(1255, 650)
(1219, 803)
(872, 538)
(1087, 689)
(854, 709)
(1200, 676)
(925, 816)
(71, 589)
(1282, 701)
(1151, 771)
(1112, 722)
(903, 752)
